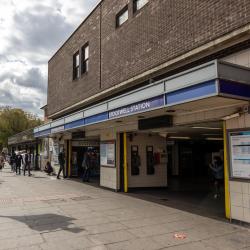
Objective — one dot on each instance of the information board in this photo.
(107, 152)
(239, 143)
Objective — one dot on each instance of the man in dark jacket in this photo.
(61, 160)
(27, 162)
(19, 162)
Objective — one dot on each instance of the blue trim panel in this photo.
(74, 124)
(96, 118)
(192, 92)
(42, 133)
(235, 88)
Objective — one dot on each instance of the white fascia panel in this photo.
(96, 110)
(191, 77)
(44, 127)
(57, 123)
(74, 117)
(137, 96)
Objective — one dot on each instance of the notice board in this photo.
(107, 152)
(239, 154)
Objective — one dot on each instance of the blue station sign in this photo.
(138, 107)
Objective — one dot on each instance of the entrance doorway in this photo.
(79, 151)
(191, 151)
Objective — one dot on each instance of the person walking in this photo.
(86, 167)
(218, 172)
(19, 162)
(1, 161)
(13, 162)
(61, 160)
(27, 162)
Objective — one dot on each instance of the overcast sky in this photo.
(30, 33)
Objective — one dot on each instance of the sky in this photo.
(31, 31)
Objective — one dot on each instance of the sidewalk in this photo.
(40, 212)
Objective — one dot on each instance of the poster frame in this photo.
(229, 155)
(108, 142)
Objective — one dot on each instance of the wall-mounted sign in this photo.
(78, 135)
(107, 152)
(155, 122)
(239, 143)
(138, 107)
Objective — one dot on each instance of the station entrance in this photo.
(79, 151)
(193, 165)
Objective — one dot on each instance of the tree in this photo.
(14, 121)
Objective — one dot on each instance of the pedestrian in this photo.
(48, 168)
(27, 162)
(86, 167)
(218, 173)
(19, 162)
(1, 161)
(61, 160)
(13, 162)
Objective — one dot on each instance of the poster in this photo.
(240, 154)
(55, 152)
(108, 153)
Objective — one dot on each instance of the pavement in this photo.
(41, 212)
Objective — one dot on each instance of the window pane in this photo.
(86, 52)
(77, 60)
(140, 3)
(123, 18)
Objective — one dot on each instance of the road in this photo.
(41, 212)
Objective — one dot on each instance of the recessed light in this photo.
(210, 128)
(214, 139)
(180, 137)
(118, 121)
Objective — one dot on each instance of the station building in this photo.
(155, 90)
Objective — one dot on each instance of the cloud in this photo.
(31, 32)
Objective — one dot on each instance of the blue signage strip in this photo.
(74, 124)
(138, 107)
(43, 133)
(235, 88)
(191, 93)
(96, 118)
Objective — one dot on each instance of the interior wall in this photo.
(159, 179)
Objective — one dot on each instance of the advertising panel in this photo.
(239, 151)
(107, 153)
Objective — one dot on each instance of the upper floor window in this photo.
(85, 59)
(76, 66)
(122, 16)
(138, 4)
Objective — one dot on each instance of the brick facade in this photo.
(161, 31)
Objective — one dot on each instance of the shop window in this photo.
(138, 4)
(122, 17)
(85, 59)
(76, 66)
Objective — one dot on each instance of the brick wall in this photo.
(162, 30)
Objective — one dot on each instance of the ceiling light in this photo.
(214, 139)
(209, 128)
(180, 137)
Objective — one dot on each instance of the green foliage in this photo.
(14, 121)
